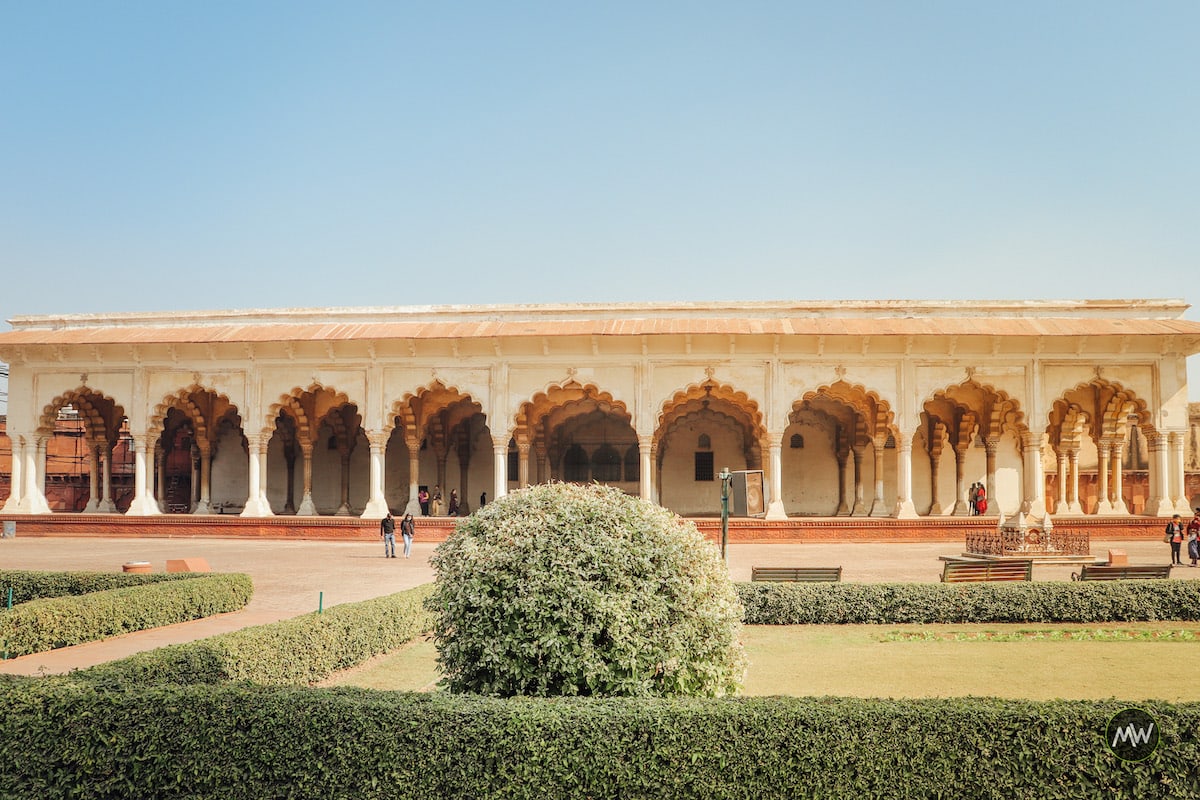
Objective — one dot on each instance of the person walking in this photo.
(1174, 537)
(482, 499)
(1193, 538)
(387, 529)
(407, 531)
(423, 500)
(435, 503)
(973, 498)
(453, 510)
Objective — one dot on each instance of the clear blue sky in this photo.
(172, 155)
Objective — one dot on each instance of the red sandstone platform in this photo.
(436, 529)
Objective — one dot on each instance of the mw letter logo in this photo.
(1132, 735)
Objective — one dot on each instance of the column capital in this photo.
(377, 439)
(500, 443)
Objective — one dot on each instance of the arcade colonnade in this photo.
(851, 409)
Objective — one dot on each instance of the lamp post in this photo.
(726, 478)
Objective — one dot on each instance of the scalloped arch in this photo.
(717, 392)
(445, 395)
(557, 394)
(81, 399)
(1005, 411)
(866, 402)
(183, 401)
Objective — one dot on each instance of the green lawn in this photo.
(1131, 661)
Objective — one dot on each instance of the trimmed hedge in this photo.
(1040, 601)
(295, 652)
(60, 738)
(34, 585)
(50, 623)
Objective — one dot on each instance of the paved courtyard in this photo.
(292, 576)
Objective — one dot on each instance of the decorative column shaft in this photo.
(843, 508)
(143, 504)
(1178, 489)
(904, 505)
(878, 504)
(775, 509)
(377, 507)
(1118, 490)
(106, 502)
(500, 466)
(1104, 505)
(1064, 501)
(93, 502)
(523, 464)
(962, 503)
(256, 504)
(1159, 504)
(16, 490)
(1075, 507)
(860, 506)
(991, 446)
(645, 490)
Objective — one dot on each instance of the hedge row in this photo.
(33, 585)
(54, 622)
(1041, 601)
(61, 738)
(298, 651)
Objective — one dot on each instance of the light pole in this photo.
(726, 478)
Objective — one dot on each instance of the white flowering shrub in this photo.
(583, 590)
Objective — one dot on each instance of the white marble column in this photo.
(1179, 488)
(16, 490)
(1076, 507)
(107, 506)
(1159, 504)
(935, 505)
(1103, 504)
(523, 449)
(1034, 501)
(860, 505)
(990, 447)
(1063, 506)
(1118, 491)
(539, 452)
(962, 503)
(775, 509)
(256, 503)
(143, 504)
(843, 507)
(93, 502)
(904, 508)
(413, 506)
(377, 507)
(160, 472)
(33, 498)
(879, 506)
(204, 504)
(307, 507)
(500, 466)
(645, 490)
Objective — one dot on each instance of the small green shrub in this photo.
(293, 652)
(1037, 601)
(34, 585)
(583, 590)
(54, 622)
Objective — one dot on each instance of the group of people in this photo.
(977, 498)
(387, 529)
(431, 503)
(1176, 534)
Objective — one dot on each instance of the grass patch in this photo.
(1124, 660)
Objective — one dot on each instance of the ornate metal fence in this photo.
(1029, 541)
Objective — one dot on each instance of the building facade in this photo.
(886, 409)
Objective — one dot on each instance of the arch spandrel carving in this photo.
(413, 412)
(994, 409)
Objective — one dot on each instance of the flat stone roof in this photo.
(1058, 318)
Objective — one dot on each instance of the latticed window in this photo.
(797, 441)
(704, 465)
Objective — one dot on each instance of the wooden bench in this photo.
(1124, 572)
(802, 574)
(978, 571)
